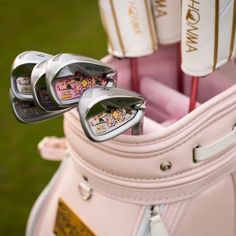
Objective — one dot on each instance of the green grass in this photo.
(53, 27)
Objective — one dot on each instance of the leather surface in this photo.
(211, 213)
(102, 215)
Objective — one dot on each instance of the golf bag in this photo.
(179, 177)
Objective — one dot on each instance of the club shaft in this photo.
(180, 75)
(194, 93)
(134, 74)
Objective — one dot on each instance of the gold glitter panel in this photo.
(68, 223)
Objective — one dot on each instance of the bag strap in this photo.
(202, 153)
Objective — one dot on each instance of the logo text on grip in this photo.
(160, 7)
(134, 17)
(192, 26)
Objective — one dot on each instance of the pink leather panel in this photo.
(210, 213)
(103, 215)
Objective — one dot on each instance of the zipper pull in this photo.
(157, 226)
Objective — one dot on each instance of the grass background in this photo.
(49, 26)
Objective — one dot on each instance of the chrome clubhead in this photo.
(21, 73)
(39, 88)
(108, 112)
(29, 112)
(68, 76)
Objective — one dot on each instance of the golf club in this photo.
(21, 73)
(39, 88)
(108, 112)
(69, 75)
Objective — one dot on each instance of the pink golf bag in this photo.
(179, 177)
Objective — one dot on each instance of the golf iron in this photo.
(21, 73)
(39, 88)
(107, 112)
(69, 75)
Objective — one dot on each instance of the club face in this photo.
(29, 112)
(106, 113)
(69, 76)
(39, 88)
(21, 73)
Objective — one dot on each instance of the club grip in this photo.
(130, 27)
(208, 35)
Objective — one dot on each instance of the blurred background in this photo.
(47, 26)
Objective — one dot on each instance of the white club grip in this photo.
(167, 14)
(130, 27)
(203, 153)
(208, 35)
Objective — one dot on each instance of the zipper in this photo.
(156, 223)
(152, 224)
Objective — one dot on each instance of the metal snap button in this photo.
(166, 166)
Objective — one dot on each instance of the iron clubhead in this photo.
(108, 112)
(29, 112)
(39, 88)
(21, 73)
(69, 75)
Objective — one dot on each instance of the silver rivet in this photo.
(85, 189)
(166, 166)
